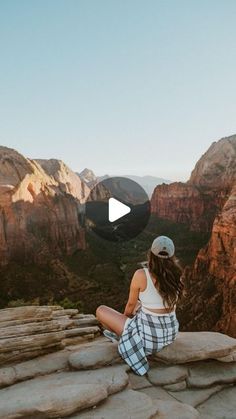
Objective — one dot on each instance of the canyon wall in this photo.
(40, 205)
(207, 202)
(210, 303)
(198, 201)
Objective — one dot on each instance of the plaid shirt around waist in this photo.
(145, 334)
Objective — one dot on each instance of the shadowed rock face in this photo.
(40, 205)
(184, 203)
(197, 202)
(211, 282)
(207, 202)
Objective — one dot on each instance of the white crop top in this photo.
(150, 297)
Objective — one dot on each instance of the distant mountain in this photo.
(148, 183)
(88, 177)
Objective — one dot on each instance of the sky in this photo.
(118, 86)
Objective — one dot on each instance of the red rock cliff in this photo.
(211, 283)
(197, 202)
(40, 206)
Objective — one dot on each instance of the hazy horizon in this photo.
(132, 88)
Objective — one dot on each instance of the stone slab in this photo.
(205, 374)
(94, 356)
(195, 346)
(60, 394)
(127, 404)
(165, 374)
(194, 397)
(221, 405)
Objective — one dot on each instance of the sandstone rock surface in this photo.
(195, 346)
(194, 397)
(126, 404)
(162, 375)
(221, 405)
(209, 373)
(26, 339)
(94, 357)
(40, 204)
(79, 381)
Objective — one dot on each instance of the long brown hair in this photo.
(168, 273)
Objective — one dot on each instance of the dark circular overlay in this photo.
(127, 192)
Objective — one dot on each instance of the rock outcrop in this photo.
(207, 202)
(194, 377)
(40, 208)
(88, 177)
(68, 181)
(198, 201)
(184, 203)
(29, 331)
(213, 279)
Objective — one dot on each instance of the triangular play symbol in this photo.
(117, 209)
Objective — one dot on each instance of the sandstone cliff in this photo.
(207, 202)
(211, 283)
(197, 202)
(40, 203)
(216, 169)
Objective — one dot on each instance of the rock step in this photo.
(198, 346)
(31, 331)
(81, 331)
(194, 397)
(73, 341)
(94, 356)
(18, 313)
(220, 405)
(61, 394)
(24, 321)
(69, 311)
(31, 341)
(47, 364)
(18, 356)
(136, 405)
(86, 321)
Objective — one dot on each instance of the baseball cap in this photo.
(163, 247)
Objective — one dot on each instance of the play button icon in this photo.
(117, 209)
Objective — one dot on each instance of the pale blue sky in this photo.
(119, 86)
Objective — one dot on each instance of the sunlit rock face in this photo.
(40, 206)
(198, 201)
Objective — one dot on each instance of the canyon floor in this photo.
(103, 269)
(55, 363)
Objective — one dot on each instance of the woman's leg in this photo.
(111, 319)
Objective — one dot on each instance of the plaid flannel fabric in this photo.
(145, 334)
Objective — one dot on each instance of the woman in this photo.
(153, 295)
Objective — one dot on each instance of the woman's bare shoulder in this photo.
(139, 277)
(139, 273)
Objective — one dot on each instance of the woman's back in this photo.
(150, 297)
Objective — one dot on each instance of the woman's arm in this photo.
(133, 295)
